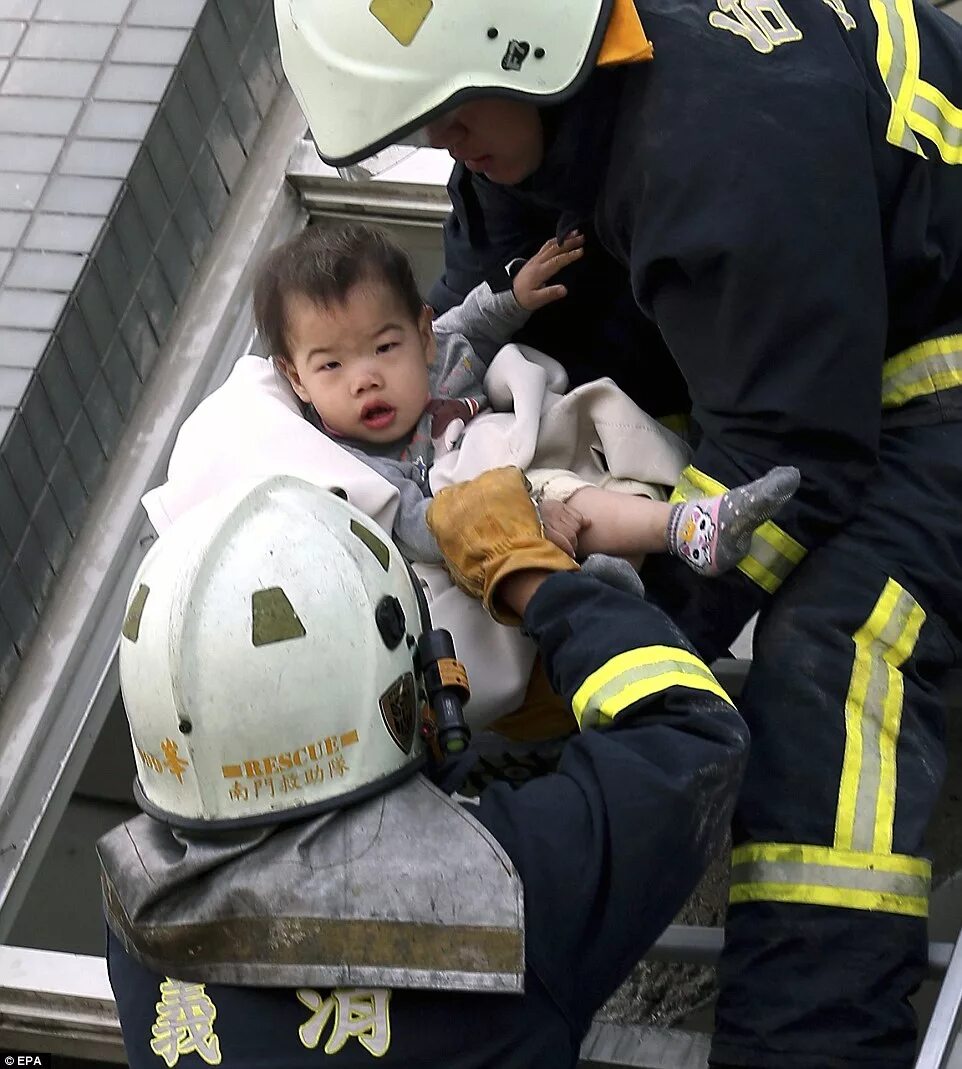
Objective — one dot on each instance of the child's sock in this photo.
(712, 534)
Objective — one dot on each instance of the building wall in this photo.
(124, 127)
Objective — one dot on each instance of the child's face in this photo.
(362, 364)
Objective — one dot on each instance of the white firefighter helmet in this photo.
(370, 73)
(267, 662)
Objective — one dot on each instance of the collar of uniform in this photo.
(625, 40)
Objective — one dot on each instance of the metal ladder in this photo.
(610, 1046)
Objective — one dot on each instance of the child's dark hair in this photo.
(324, 265)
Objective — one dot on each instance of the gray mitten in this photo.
(615, 571)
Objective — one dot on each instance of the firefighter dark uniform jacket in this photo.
(781, 189)
(784, 184)
(607, 847)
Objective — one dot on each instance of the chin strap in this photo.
(625, 40)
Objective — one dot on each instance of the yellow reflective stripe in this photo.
(693, 482)
(934, 380)
(934, 116)
(773, 553)
(869, 901)
(773, 556)
(916, 105)
(950, 113)
(897, 55)
(818, 875)
(810, 854)
(873, 714)
(636, 674)
(891, 726)
(924, 369)
(908, 359)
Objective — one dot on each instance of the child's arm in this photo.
(410, 530)
(489, 320)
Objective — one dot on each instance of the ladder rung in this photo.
(614, 1046)
(698, 945)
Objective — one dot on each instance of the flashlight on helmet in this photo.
(446, 684)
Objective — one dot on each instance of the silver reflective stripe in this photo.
(924, 375)
(800, 873)
(927, 110)
(896, 69)
(637, 674)
(917, 107)
(872, 721)
(640, 672)
(770, 558)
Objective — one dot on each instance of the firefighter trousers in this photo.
(826, 933)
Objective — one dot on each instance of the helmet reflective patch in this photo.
(515, 55)
(131, 628)
(401, 18)
(373, 543)
(399, 709)
(273, 617)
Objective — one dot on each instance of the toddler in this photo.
(343, 319)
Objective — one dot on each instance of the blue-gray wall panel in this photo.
(165, 98)
(124, 126)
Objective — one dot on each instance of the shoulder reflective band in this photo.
(636, 674)
(823, 876)
(873, 718)
(773, 554)
(924, 369)
(916, 105)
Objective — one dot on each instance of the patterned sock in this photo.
(712, 534)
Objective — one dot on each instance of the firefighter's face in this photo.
(502, 139)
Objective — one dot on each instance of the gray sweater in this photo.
(468, 337)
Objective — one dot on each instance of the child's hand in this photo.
(562, 525)
(529, 283)
(445, 411)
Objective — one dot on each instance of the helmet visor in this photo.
(382, 161)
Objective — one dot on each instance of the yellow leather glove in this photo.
(489, 529)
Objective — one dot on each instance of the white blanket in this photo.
(252, 427)
(596, 431)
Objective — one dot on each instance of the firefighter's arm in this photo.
(611, 845)
(488, 531)
(761, 261)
